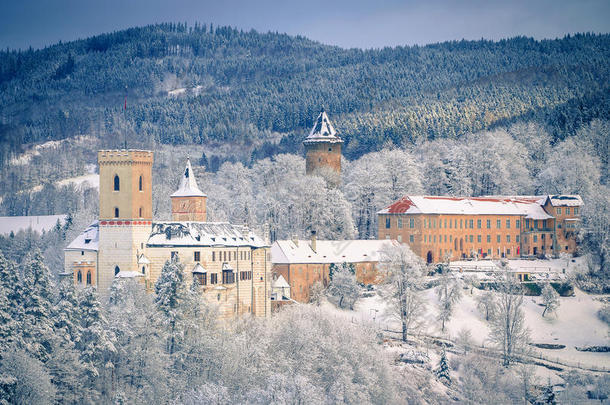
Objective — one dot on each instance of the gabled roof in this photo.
(88, 240)
(328, 251)
(323, 130)
(280, 282)
(565, 200)
(143, 259)
(170, 233)
(188, 184)
(528, 206)
(198, 269)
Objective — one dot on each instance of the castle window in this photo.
(412, 223)
(82, 252)
(411, 239)
(489, 224)
(116, 270)
(140, 184)
(498, 223)
(575, 210)
(88, 278)
(517, 223)
(399, 223)
(140, 212)
(387, 222)
(479, 223)
(116, 212)
(200, 278)
(143, 270)
(330, 149)
(79, 277)
(567, 210)
(117, 183)
(213, 256)
(213, 278)
(197, 256)
(558, 210)
(508, 224)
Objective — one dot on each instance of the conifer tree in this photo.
(443, 369)
(10, 307)
(37, 322)
(97, 346)
(170, 295)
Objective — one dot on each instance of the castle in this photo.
(231, 263)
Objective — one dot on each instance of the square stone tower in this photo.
(125, 211)
(323, 150)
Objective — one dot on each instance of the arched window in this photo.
(140, 212)
(88, 278)
(79, 277)
(117, 183)
(143, 270)
(140, 184)
(116, 270)
(116, 212)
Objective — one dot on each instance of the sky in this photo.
(346, 23)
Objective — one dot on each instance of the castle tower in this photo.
(125, 218)
(188, 202)
(323, 150)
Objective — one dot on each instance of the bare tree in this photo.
(404, 273)
(508, 328)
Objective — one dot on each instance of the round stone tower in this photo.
(323, 150)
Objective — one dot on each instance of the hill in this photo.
(259, 92)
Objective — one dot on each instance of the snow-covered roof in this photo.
(280, 282)
(565, 200)
(88, 240)
(128, 274)
(143, 259)
(528, 206)
(328, 251)
(37, 223)
(323, 130)
(202, 234)
(198, 269)
(188, 184)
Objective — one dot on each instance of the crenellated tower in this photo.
(125, 217)
(323, 150)
(188, 202)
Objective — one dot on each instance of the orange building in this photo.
(451, 228)
(302, 263)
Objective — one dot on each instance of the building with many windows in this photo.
(230, 262)
(439, 228)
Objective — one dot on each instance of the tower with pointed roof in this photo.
(323, 150)
(188, 202)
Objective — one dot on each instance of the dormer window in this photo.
(87, 240)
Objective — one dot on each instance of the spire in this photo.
(188, 183)
(323, 130)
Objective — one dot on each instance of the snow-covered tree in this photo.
(97, 346)
(508, 329)
(37, 322)
(487, 304)
(572, 168)
(141, 361)
(343, 288)
(170, 296)
(449, 293)
(24, 380)
(10, 300)
(404, 272)
(442, 372)
(550, 299)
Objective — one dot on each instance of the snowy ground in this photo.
(575, 324)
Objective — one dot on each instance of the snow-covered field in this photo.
(575, 324)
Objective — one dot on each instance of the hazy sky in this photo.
(347, 23)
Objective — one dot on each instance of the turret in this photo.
(323, 150)
(188, 202)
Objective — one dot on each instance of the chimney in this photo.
(313, 241)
